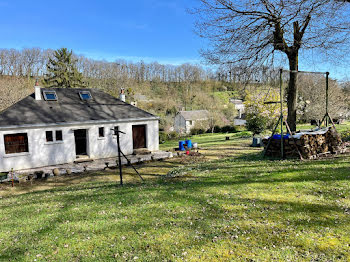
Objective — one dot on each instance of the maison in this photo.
(186, 120)
(240, 107)
(60, 125)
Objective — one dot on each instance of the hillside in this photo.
(231, 206)
(163, 99)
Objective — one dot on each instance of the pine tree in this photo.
(62, 70)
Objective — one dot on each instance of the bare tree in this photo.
(255, 31)
(13, 62)
(3, 61)
(312, 97)
(31, 57)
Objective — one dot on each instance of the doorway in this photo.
(139, 136)
(80, 142)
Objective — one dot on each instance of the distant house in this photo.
(240, 107)
(186, 120)
(59, 125)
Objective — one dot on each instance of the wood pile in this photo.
(309, 145)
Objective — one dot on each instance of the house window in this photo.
(85, 95)
(59, 136)
(49, 136)
(50, 95)
(16, 143)
(101, 132)
(190, 122)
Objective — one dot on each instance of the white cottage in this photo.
(186, 120)
(59, 125)
(240, 107)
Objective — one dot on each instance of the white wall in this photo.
(240, 109)
(43, 154)
(180, 124)
(240, 122)
(189, 126)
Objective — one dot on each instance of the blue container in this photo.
(182, 145)
(279, 137)
(189, 144)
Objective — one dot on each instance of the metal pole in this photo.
(305, 72)
(327, 86)
(273, 132)
(137, 172)
(281, 97)
(12, 177)
(120, 160)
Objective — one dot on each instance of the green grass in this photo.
(206, 140)
(225, 96)
(340, 127)
(237, 207)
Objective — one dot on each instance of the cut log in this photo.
(310, 146)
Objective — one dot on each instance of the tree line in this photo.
(31, 62)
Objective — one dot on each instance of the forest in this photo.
(166, 89)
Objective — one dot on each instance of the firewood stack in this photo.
(311, 145)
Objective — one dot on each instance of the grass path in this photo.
(230, 206)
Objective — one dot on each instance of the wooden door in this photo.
(80, 142)
(139, 136)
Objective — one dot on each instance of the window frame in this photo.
(26, 144)
(103, 132)
(58, 131)
(45, 93)
(81, 93)
(54, 137)
(46, 136)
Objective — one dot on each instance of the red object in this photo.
(187, 152)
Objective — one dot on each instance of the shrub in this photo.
(345, 135)
(261, 115)
(162, 137)
(228, 129)
(243, 134)
(173, 135)
(240, 128)
(215, 129)
(3, 176)
(256, 123)
(197, 131)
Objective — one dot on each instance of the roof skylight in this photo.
(85, 95)
(50, 95)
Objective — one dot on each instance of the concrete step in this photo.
(83, 159)
(141, 151)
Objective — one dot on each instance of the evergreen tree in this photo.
(62, 70)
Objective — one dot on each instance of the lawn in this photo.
(229, 205)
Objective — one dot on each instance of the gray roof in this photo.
(195, 114)
(69, 108)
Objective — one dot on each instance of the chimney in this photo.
(37, 90)
(122, 95)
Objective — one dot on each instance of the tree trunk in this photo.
(292, 91)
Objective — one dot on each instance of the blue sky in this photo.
(151, 30)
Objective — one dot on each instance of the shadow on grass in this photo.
(206, 212)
